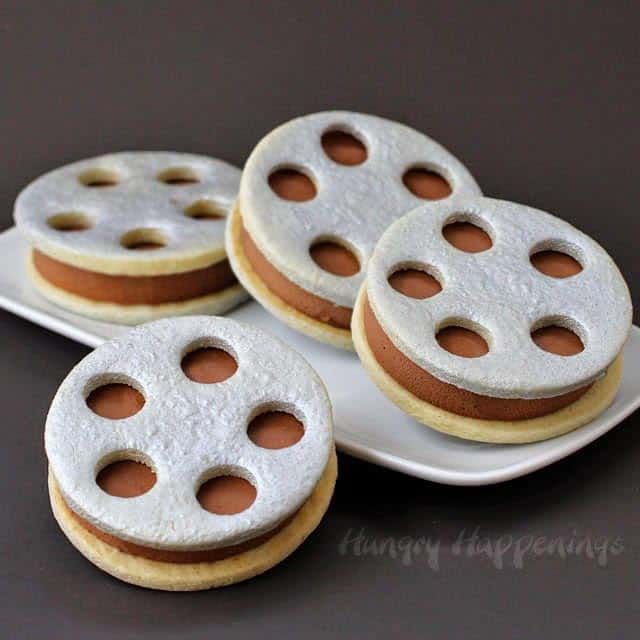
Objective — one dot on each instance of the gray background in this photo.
(540, 100)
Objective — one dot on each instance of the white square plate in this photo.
(368, 426)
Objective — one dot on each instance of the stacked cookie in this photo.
(129, 237)
(493, 321)
(200, 453)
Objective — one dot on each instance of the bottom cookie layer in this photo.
(258, 289)
(582, 411)
(169, 576)
(214, 303)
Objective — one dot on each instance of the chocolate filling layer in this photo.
(275, 430)
(126, 479)
(133, 290)
(300, 299)
(226, 495)
(426, 184)
(209, 365)
(447, 396)
(178, 557)
(556, 264)
(115, 401)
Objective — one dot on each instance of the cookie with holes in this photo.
(315, 196)
(191, 453)
(493, 321)
(129, 237)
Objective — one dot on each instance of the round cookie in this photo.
(133, 236)
(493, 321)
(315, 196)
(190, 453)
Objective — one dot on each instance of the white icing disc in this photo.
(502, 296)
(189, 432)
(140, 197)
(353, 204)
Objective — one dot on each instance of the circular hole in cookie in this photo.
(97, 178)
(273, 427)
(426, 183)
(205, 209)
(465, 232)
(226, 492)
(207, 362)
(334, 256)
(415, 281)
(178, 176)
(69, 221)
(558, 335)
(290, 184)
(126, 475)
(463, 338)
(143, 240)
(556, 259)
(343, 147)
(114, 397)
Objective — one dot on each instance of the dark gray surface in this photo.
(540, 101)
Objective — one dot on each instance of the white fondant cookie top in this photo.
(353, 204)
(139, 198)
(189, 432)
(500, 294)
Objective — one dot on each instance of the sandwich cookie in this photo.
(315, 196)
(129, 237)
(190, 453)
(493, 321)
